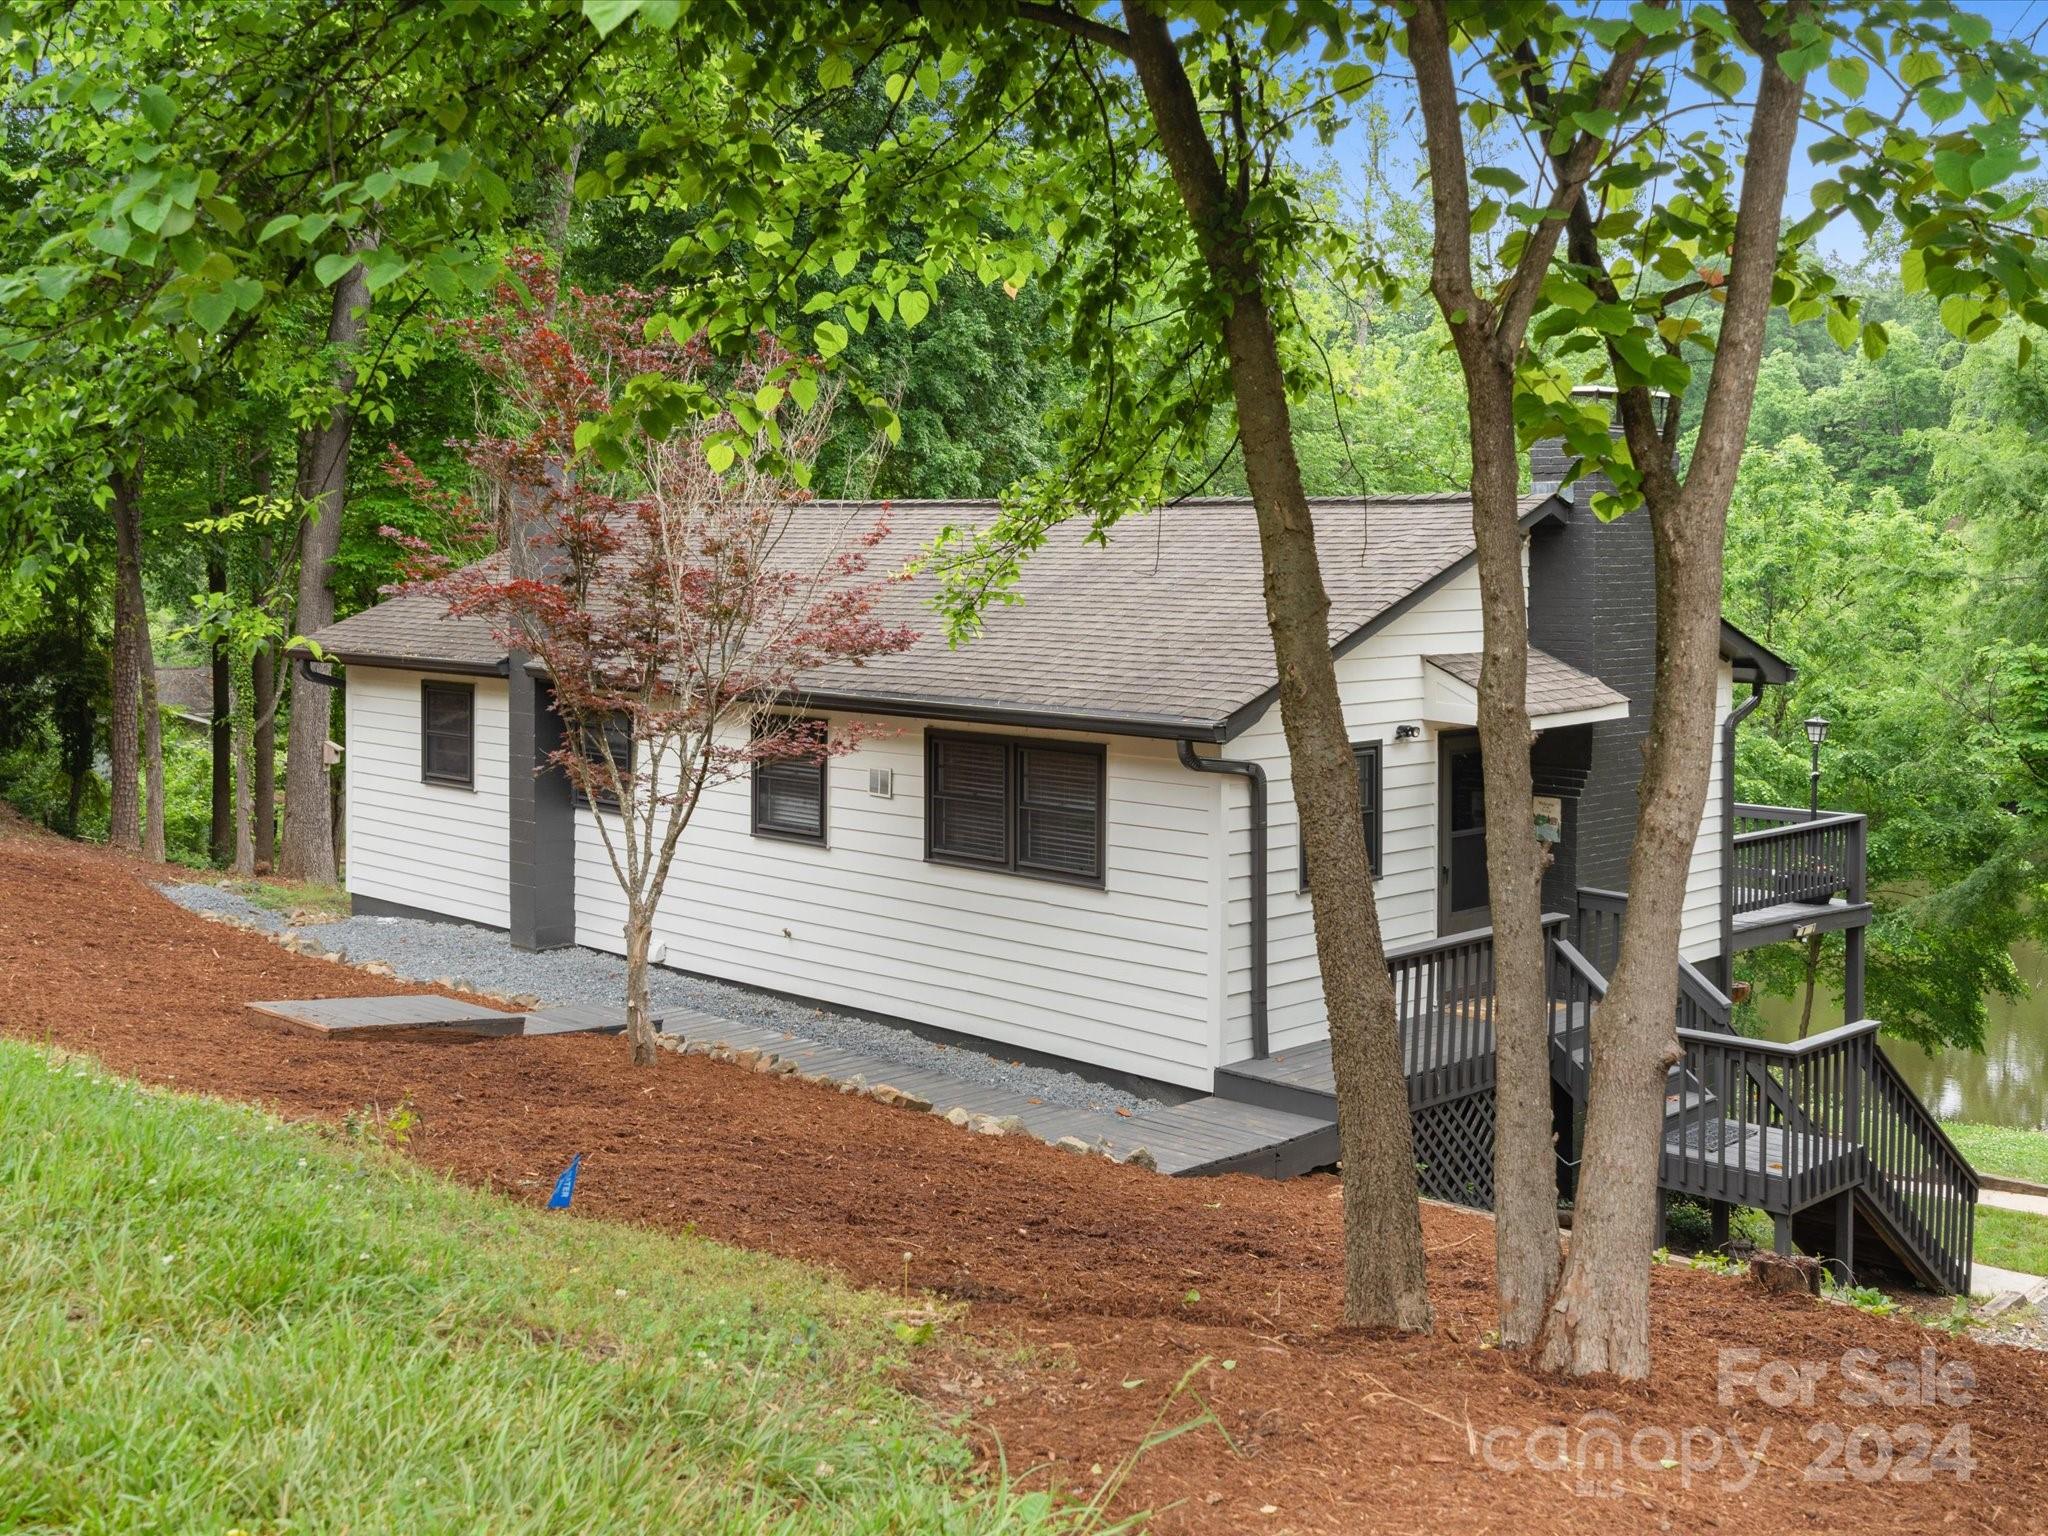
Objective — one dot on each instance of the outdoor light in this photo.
(1816, 732)
(1407, 732)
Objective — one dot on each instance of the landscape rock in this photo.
(958, 1116)
(1142, 1158)
(1009, 1125)
(745, 1059)
(1075, 1145)
(377, 968)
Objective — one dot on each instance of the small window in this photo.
(448, 734)
(1367, 756)
(618, 735)
(1033, 807)
(789, 794)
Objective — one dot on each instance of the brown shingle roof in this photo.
(1553, 687)
(1162, 631)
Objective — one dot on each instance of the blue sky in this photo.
(1843, 239)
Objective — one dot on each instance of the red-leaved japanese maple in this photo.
(674, 608)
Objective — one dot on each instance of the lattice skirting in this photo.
(1454, 1151)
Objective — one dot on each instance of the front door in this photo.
(1461, 836)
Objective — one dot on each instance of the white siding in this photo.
(1381, 683)
(1127, 977)
(431, 846)
(1699, 935)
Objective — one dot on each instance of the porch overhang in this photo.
(1558, 695)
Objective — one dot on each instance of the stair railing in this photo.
(1923, 1186)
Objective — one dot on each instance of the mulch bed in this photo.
(1093, 1289)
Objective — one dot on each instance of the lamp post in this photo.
(1816, 733)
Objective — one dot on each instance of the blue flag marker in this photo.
(565, 1186)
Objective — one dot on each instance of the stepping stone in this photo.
(410, 1017)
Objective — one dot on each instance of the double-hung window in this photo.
(448, 734)
(618, 739)
(1367, 755)
(789, 793)
(1028, 806)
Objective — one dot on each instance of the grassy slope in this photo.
(2002, 1149)
(210, 1321)
(2012, 1240)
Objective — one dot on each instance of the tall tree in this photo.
(307, 849)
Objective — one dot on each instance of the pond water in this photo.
(2005, 1084)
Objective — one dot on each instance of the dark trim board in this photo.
(1792, 920)
(376, 906)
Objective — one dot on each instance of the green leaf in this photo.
(767, 398)
(835, 72)
(331, 268)
(803, 389)
(111, 238)
(157, 109)
(212, 309)
(718, 453)
(277, 226)
(1970, 31)
(1919, 67)
(829, 337)
(609, 15)
(1652, 21)
(913, 304)
(1494, 176)
(1850, 76)
(1841, 326)
(1352, 79)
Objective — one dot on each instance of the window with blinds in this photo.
(448, 734)
(1367, 756)
(1032, 807)
(789, 795)
(618, 736)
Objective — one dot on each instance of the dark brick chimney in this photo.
(1593, 604)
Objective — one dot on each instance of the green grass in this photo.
(211, 1322)
(2012, 1240)
(2002, 1149)
(292, 896)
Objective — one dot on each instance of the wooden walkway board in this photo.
(406, 1017)
(1202, 1136)
(582, 1019)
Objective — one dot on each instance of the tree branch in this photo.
(1084, 27)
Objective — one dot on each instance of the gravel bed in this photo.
(481, 959)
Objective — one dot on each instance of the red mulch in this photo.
(1098, 1287)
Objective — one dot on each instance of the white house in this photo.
(1047, 839)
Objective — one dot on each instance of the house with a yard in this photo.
(1072, 838)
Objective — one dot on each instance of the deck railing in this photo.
(1784, 855)
(1595, 934)
(1443, 1000)
(1784, 1126)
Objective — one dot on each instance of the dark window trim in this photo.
(1374, 751)
(428, 687)
(1013, 805)
(605, 802)
(815, 839)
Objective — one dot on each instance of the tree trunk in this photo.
(1384, 1281)
(221, 823)
(263, 776)
(308, 851)
(1526, 1252)
(77, 727)
(152, 750)
(639, 1015)
(1600, 1317)
(1812, 976)
(124, 809)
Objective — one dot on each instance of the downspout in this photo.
(324, 679)
(1736, 716)
(1255, 778)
